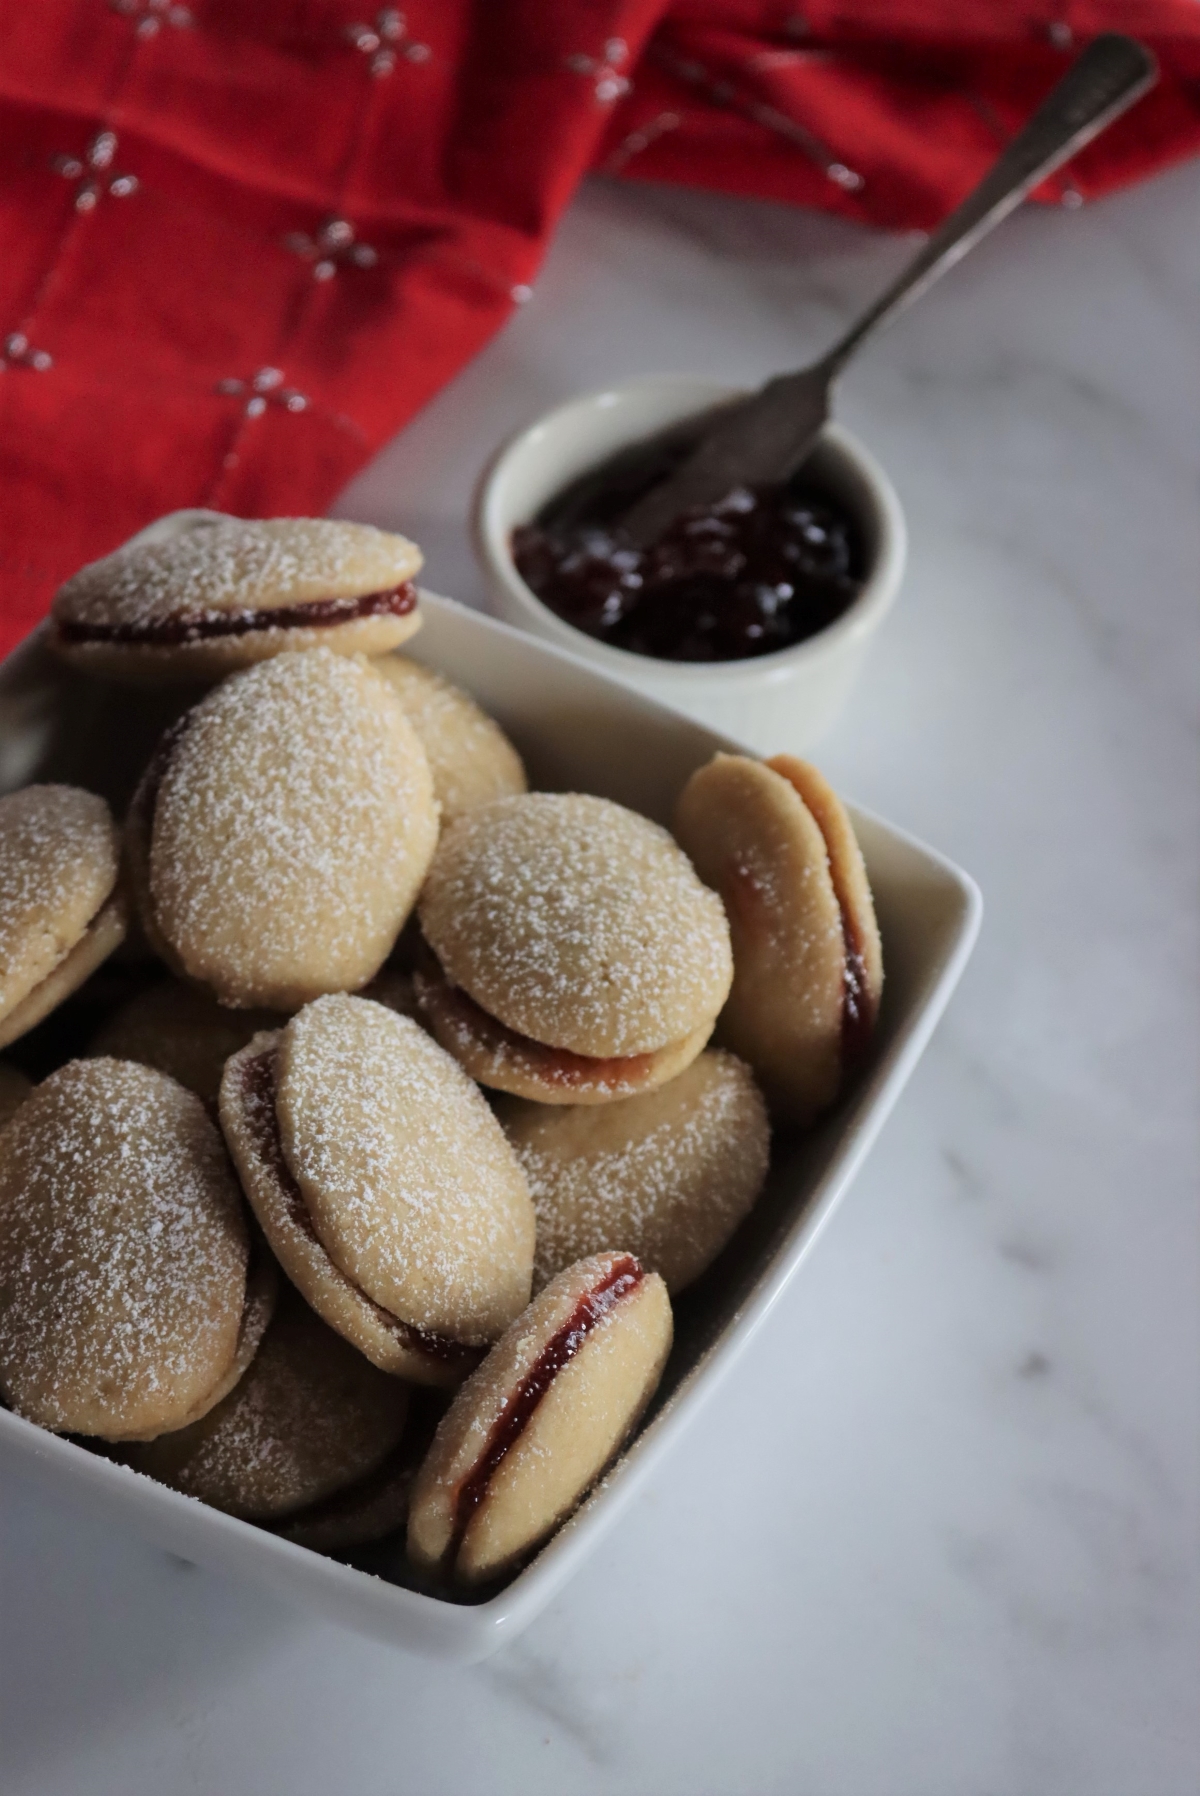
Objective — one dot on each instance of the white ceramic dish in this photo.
(578, 730)
(777, 702)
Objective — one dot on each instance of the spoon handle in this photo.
(1109, 76)
(767, 436)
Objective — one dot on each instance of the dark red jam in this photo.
(858, 1015)
(258, 1091)
(858, 1010)
(623, 1276)
(763, 568)
(205, 626)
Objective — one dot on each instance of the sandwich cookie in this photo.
(182, 1031)
(278, 839)
(61, 911)
(230, 591)
(776, 842)
(536, 1425)
(470, 757)
(670, 1173)
(123, 1255)
(576, 957)
(309, 1418)
(14, 1089)
(384, 1185)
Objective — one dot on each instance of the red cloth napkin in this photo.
(241, 244)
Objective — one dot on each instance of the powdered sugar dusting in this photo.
(471, 758)
(122, 1251)
(294, 821)
(309, 1417)
(58, 864)
(577, 922)
(234, 565)
(668, 1175)
(251, 1125)
(409, 1180)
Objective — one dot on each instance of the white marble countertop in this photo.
(938, 1531)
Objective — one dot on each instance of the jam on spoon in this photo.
(762, 568)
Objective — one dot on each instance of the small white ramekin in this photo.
(776, 702)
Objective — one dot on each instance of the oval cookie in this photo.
(577, 924)
(225, 592)
(805, 994)
(280, 837)
(61, 914)
(384, 1184)
(123, 1253)
(535, 1426)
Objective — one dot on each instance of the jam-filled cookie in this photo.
(14, 1089)
(535, 1426)
(470, 757)
(61, 910)
(182, 1031)
(384, 1184)
(671, 1173)
(281, 833)
(576, 957)
(776, 843)
(123, 1255)
(230, 591)
(309, 1418)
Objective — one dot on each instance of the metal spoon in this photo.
(767, 436)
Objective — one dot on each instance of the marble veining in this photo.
(937, 1535)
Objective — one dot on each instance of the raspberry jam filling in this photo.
(745, 893)
(207, 626)
(258, 1092)
(858, 1013)
(474, 1027)
(622, 1278)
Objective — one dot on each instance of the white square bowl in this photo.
(578, 729)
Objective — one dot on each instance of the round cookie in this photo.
(123, 1253)
(281, 833)
(61, 914)
(226, 592)
(384, 1184)
(310, 1418)
(808, 966)
(671, 1174)
(182, 1031)
(581, 927)
(531, 1431)
(470, 757)
(14, 1089)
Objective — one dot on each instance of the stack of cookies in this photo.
(409, 1083)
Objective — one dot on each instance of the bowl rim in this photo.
(490, 527)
